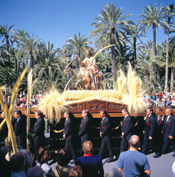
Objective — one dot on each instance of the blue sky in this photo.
(57, 20)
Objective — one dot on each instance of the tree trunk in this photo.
(154, 54)
(18, 67)
(172, 77)
(134, 46)
(158, 78)
(167, 48)
(113, 56)
(15, 64)
(31, 59)
(7, 47)
(146, 77)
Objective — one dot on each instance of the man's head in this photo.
(63, 157)
(168, 111)
(17, 113)
(87, 147)
(3, 149)
(103, 113)
(35, 172)
(8, 97)
(67, 114)
(134, 141)
(2, 115)
(18, 162)
(39, 114)
(149, 110)
(158, 109)
(84, 113)
(125, 112)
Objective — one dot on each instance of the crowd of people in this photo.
(158, 137)
(162, 99)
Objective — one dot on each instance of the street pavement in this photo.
(160, 167)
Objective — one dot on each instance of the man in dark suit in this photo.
(68, 133)
(148, 131)
(126, 130)
(168, 130)
(105, 134)
(20, 128)
(85, 128)
(158, 140)
(38, 131)
(3, 129)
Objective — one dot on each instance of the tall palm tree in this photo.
(110, 21)
(15, 54)
(47, 59)
(170, 12)
(30, 44)
(76, 46)
(7, 38)
(152, 16)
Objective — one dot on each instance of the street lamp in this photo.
(68, 58)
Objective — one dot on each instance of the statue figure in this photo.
(89, 72)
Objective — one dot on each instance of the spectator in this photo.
(20, 94)
(4, 164)
(40, 95)
(133, 162)
(159, 102)
(63, 159)
(169, 102)
(154, 97)
(32, 105)
(35, 172)
(27, 154)
(8, 101)
(115, 173)
(43, 156)
(3, 129)
(75, 171)
(91, 165)
(17, 162)
(23, 93)
(4, 99)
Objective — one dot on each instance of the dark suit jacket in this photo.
(38, 131)
(3, 132)
(105, 128)
(85, 128)
(150, 124)
(169, 126)
(91, 166)
(127, 127)
(159, 125)
(20, 129)
(68, 128)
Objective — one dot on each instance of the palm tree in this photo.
(152, 17)
(47, 59)
(7, 38)
(111, 21)
(169, 11)
(30, 44)
(76, 46)
(21, 34)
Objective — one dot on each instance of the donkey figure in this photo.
(83, 81)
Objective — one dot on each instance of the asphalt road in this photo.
(160, 167)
